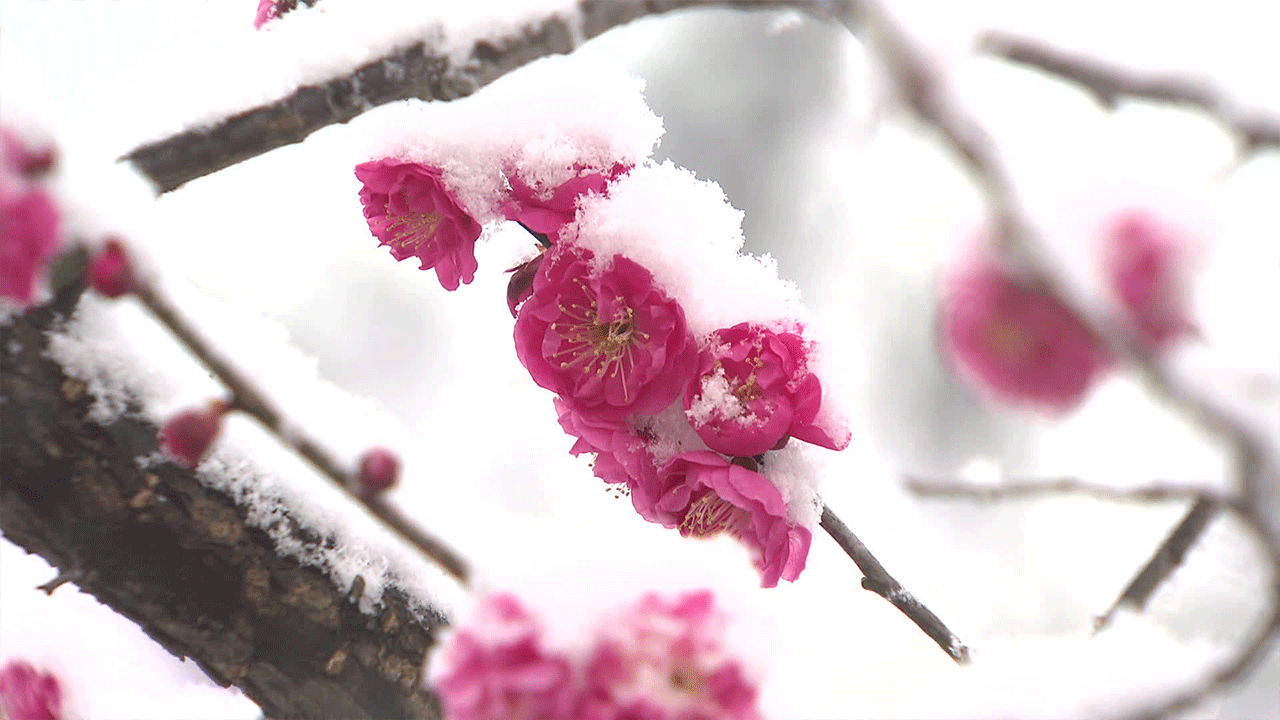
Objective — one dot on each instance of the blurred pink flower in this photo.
(609, 342)
(21, 159)
(412, 211)
(546, 212)
(754, 390)
(379, 470)
(186, 437)
(1015, 341)
(29, 237)
(28, 694)
(704, 495)
(495, 668)
(665, 661)
(110, 273)
(1145, 264)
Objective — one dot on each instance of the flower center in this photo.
(597, 345)
(1009, 340)
(686, 680)
(412, 230)
(711, 515)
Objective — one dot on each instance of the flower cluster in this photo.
(1022, 345)
(658, 660)
(30, 223)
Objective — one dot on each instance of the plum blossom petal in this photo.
(30, 231)
(1015, 341)
(547, 211)
(610, 343)
(622, 455)
(1145, 264)
(28, 694)
(664, 661)
(411, 210)
(495, 668)
(754, 390)
(705, 494)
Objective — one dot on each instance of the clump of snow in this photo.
(797, 471)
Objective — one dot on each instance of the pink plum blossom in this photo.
(110, 273)
(1016, 341)
(29, 238)
(411, 210)
(495, 668)
(28, 694)
(622, 455)
(1145, 266)
(609, 342)
(754, 390)
(665, 661)
(186, 437)
(22, 159)
(546, 211)
(705, 495)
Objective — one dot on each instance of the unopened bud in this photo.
(111, 273)
(379, 469)
(186, 437)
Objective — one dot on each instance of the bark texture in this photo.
(179, 558)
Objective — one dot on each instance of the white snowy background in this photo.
(859, 206)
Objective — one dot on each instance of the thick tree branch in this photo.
(179, 558)
(1109, 83)
(423, 70)
(879, 581)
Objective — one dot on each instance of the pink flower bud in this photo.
(1145, 264)
(411, 210)
(1015, 341)
(379, 469)
(28, 694)
(21, 158)
(29, 236)
(186, 437)
(520, 287)
(111, 273)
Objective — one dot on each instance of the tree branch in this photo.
(1108, 83)
(180, 559)
(423, 70)
(879, 581)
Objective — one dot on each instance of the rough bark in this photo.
(179, 558)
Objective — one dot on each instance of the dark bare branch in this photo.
(423, 70)
(180, 559)
(1109, 83)
(879, 581)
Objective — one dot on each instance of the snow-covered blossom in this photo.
(496, 668)
(187, 436)
(705, 495)
(20, 158)
(754, 390)
(28, 694)
(379, 469)
(545, 211)
(608, 341)
(29, 238)
(110, 273)
(1146, 267)
(411, 210)
(1016, 341)
(665, 661)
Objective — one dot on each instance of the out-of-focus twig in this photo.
(246, 398)
(879, 581)
(1109, 83)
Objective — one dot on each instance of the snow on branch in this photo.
(183, 560)
(1109, 83)
(424, 68)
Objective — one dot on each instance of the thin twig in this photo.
(1016, 489)
(879, 581)
(426, 69)
(247, 399)
(1109, 82)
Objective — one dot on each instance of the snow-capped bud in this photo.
(379, 469)
(187, 436)
(111, 272)
(1146, 265)
(28, 694)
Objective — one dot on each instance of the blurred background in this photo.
(860, 207)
